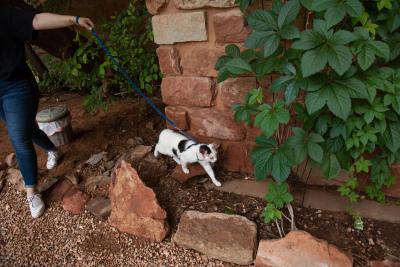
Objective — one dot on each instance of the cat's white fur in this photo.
(169, 141)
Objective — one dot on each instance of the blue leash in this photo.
(134, 86)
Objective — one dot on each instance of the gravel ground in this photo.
(60, 239)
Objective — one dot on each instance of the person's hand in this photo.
(85, 23)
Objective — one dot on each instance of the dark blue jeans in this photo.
(19, 101)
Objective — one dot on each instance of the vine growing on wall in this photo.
(341, 80)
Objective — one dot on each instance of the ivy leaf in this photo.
(354, 8)
(307, 3)
(232, 51)
(309, 39)
(342, 37)
(290, 32)
(278, 194)
(271, 44)
(331, 166)
(322, 5)
(357, 89)
(291, 92)
(337, 98)
(334, 15)
(280, 166)
(339, 58)
(261, 156)
(391, 137)
(271, 213)
(288, 13)
(315, 60)
(365, 58)
(261, 20)
(238, 66)
(257, 39)
(315, 151)
(269, 118)
(381, 49)
(280, 83)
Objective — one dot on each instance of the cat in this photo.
(185, 151)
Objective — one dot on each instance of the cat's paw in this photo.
(186, 171)
(217, 183)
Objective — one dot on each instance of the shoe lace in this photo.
(52, 156)
(34, 200)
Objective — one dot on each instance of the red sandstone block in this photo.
(230, 27)
(168, 58)
(178, 115)
(200, 60)
(215, 124)
(187, 91)
(394, 191)
(154, 6)
(234, 90)
(233, 156)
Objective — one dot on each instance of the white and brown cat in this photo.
(186, 151)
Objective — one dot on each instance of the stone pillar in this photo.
(192, 35)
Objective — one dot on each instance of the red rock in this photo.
(134, 207)
(385, 263)
(3, 166)
(153, 6)
(60, 189)
(195, 4)
(100, 207)
(169, 61)
(252, 133)
(249, 168)
(178, 116)
(215, 124)
(230, 27)
(139, 152)
(179, 27)
(233, 156)
(394, 190)
(74, 201)
(229, 238)
(200, 60)
(11, 160)
(188, 91)
(299, 248)
(234, 90)
(195, 170)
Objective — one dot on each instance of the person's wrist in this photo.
(76, 20)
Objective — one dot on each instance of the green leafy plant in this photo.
(129, 37)
(338, 79)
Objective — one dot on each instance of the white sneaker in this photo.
(52, 159)
(36, 205)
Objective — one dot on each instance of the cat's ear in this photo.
(216, 146)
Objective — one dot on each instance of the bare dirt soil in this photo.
(61, 239)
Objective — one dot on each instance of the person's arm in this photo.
(48, 21)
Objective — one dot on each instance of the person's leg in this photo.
(17, 108)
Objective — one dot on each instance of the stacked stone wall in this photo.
(192, 35)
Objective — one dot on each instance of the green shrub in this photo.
(129, 37)
(345, 69)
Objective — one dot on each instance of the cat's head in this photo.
(209, 152)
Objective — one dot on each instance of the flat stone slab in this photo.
(316, 199)
(324, 200)
(229, 238)
(243, 187)
(179, 27)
